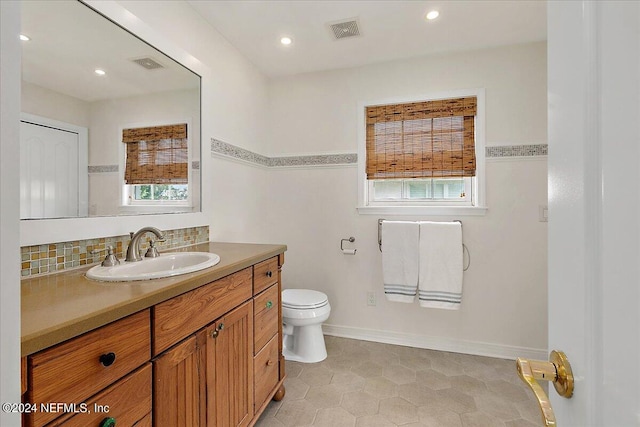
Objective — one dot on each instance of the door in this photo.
(48, 172)
(230, 368)
(594, 208)
(179, 388)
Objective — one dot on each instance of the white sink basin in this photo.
(166, 265)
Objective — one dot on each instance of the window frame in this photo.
(127, 203)
(430, 207)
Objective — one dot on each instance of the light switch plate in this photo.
(543, 213)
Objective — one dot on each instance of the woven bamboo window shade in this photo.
(421, 139)
(156, 155)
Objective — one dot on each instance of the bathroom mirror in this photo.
(85, 82)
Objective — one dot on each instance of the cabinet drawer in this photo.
(265, 274)
(265, 323)
(265, 368)
(73, 371)
(183, 315)
(128, 402)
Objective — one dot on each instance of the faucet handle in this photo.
(152, 252)
(110, 260)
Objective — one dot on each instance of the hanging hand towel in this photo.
(400, 260)
(440, 277)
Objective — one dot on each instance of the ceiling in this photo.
(390, 30)
(69, 40)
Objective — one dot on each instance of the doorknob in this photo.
(557, 370)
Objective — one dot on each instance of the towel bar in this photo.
(464, 247)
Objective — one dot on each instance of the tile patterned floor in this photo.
(366, 384)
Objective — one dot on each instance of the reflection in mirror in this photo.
(86, 82)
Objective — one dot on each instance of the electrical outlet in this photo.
(371, 298)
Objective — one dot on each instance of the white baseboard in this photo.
(436, 343)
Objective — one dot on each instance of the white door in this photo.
(48, 172)
(594, 208)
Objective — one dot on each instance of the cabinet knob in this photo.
(216, 331)
(107, 359)
(269, 304)
(270, 362)
(108, 422)
(269, 273)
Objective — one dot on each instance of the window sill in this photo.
(154, 209)
(424, 210)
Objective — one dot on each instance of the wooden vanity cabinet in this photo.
(229, 373)
(127, 403)
(223, 374)
(179, 384)
(73, 371)
(266, 310)
(209, 357)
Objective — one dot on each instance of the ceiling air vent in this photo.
(148, 63)
(345, 29)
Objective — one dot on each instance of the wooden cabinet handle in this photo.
(108, 422)
(270, 362)
(107, 359)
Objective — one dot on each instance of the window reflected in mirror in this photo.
(84, 81)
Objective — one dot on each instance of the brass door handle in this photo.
(557, 370)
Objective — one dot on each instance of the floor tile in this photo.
(368, 384)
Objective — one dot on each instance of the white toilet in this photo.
(303, 312)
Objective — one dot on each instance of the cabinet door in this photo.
(179, 391)
(230, 368)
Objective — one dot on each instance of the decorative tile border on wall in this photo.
(59, 256)
(195, 165)
(516, 151)
(229, 150)
(103, 169)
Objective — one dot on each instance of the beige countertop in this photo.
(60, 306)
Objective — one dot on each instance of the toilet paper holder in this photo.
(350, 239)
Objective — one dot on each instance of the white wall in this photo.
(105, 119)
(504, 303)
(47, 103)
(237, 90)
(109, 117)
(317, 112)
(9, 211)
(234, 100)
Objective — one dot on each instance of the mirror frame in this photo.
(45, 231)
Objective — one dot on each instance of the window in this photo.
(422, 154)
(156, 166)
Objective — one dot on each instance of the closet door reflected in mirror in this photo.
(83, 71)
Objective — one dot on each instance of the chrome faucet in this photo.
(133, 251)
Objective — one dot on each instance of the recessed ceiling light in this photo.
(433, 15)
(24, 38)
(286, 41)
(100, 72)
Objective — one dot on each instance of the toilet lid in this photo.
(303, 299)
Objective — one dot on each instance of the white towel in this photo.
(400, 260)
(440, 277)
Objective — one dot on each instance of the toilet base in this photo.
(305, 345)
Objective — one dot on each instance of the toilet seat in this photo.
(303, 299)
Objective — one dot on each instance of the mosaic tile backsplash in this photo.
(54, 257)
